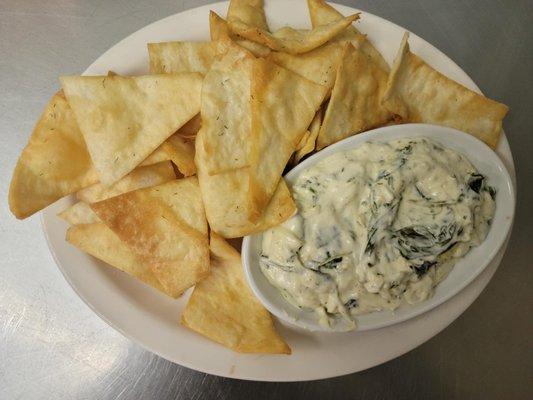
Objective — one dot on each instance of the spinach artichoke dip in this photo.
(377, 226)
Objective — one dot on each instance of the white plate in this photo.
(151, 319)
(464, 272)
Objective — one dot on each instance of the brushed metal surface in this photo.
(53, 347)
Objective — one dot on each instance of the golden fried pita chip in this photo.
(289, 40)
(226, 112)
(218, 27)
(181, 153)
(318, 65)
(322, 13)
(159, 155)
(173, 57)
(310, 141)
(251, 12)
(283, 106)
(179, 148)
(99, 241)
(303, 140)
(418, 93)
(141, 177)
(165, 226)
(54, 163)
(223, 308)
(124, 119)
(191, 128)
(227, 204)
(355, 103)
(79, 213)
(221, 33)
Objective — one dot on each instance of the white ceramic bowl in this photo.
(465, 270)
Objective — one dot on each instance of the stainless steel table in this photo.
(53, 347)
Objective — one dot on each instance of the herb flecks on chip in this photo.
(124, 119)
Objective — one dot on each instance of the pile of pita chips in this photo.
(223, 308)
(254, 115)
(54, 163)
(418, 93)
(235, 112)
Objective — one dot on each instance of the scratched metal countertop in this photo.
(52, 346)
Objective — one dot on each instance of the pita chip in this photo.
(141, 177)
(99, 241)
(355, 103)
(165, 227)
(174, 57)
(283, 106)
(54, 163)
(322, 13)
(418, 93)
(124, 119)
(223, 308)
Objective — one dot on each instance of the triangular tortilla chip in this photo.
(142, 177)
(418, 93)
(283, 106)
(227, 204)
(165, 226)
(223, 308)
(54, 163)
(319, 65)
(79, 213)
(219, 31)
(173, 57)
(322, 13)
(124, 119)
(355, 103)
(310, 141)
(290, 40)
(226, 111)
(99, 241)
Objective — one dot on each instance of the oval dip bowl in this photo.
(465, 270)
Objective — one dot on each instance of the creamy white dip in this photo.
(376, 226)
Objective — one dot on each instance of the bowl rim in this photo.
(381, 134)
